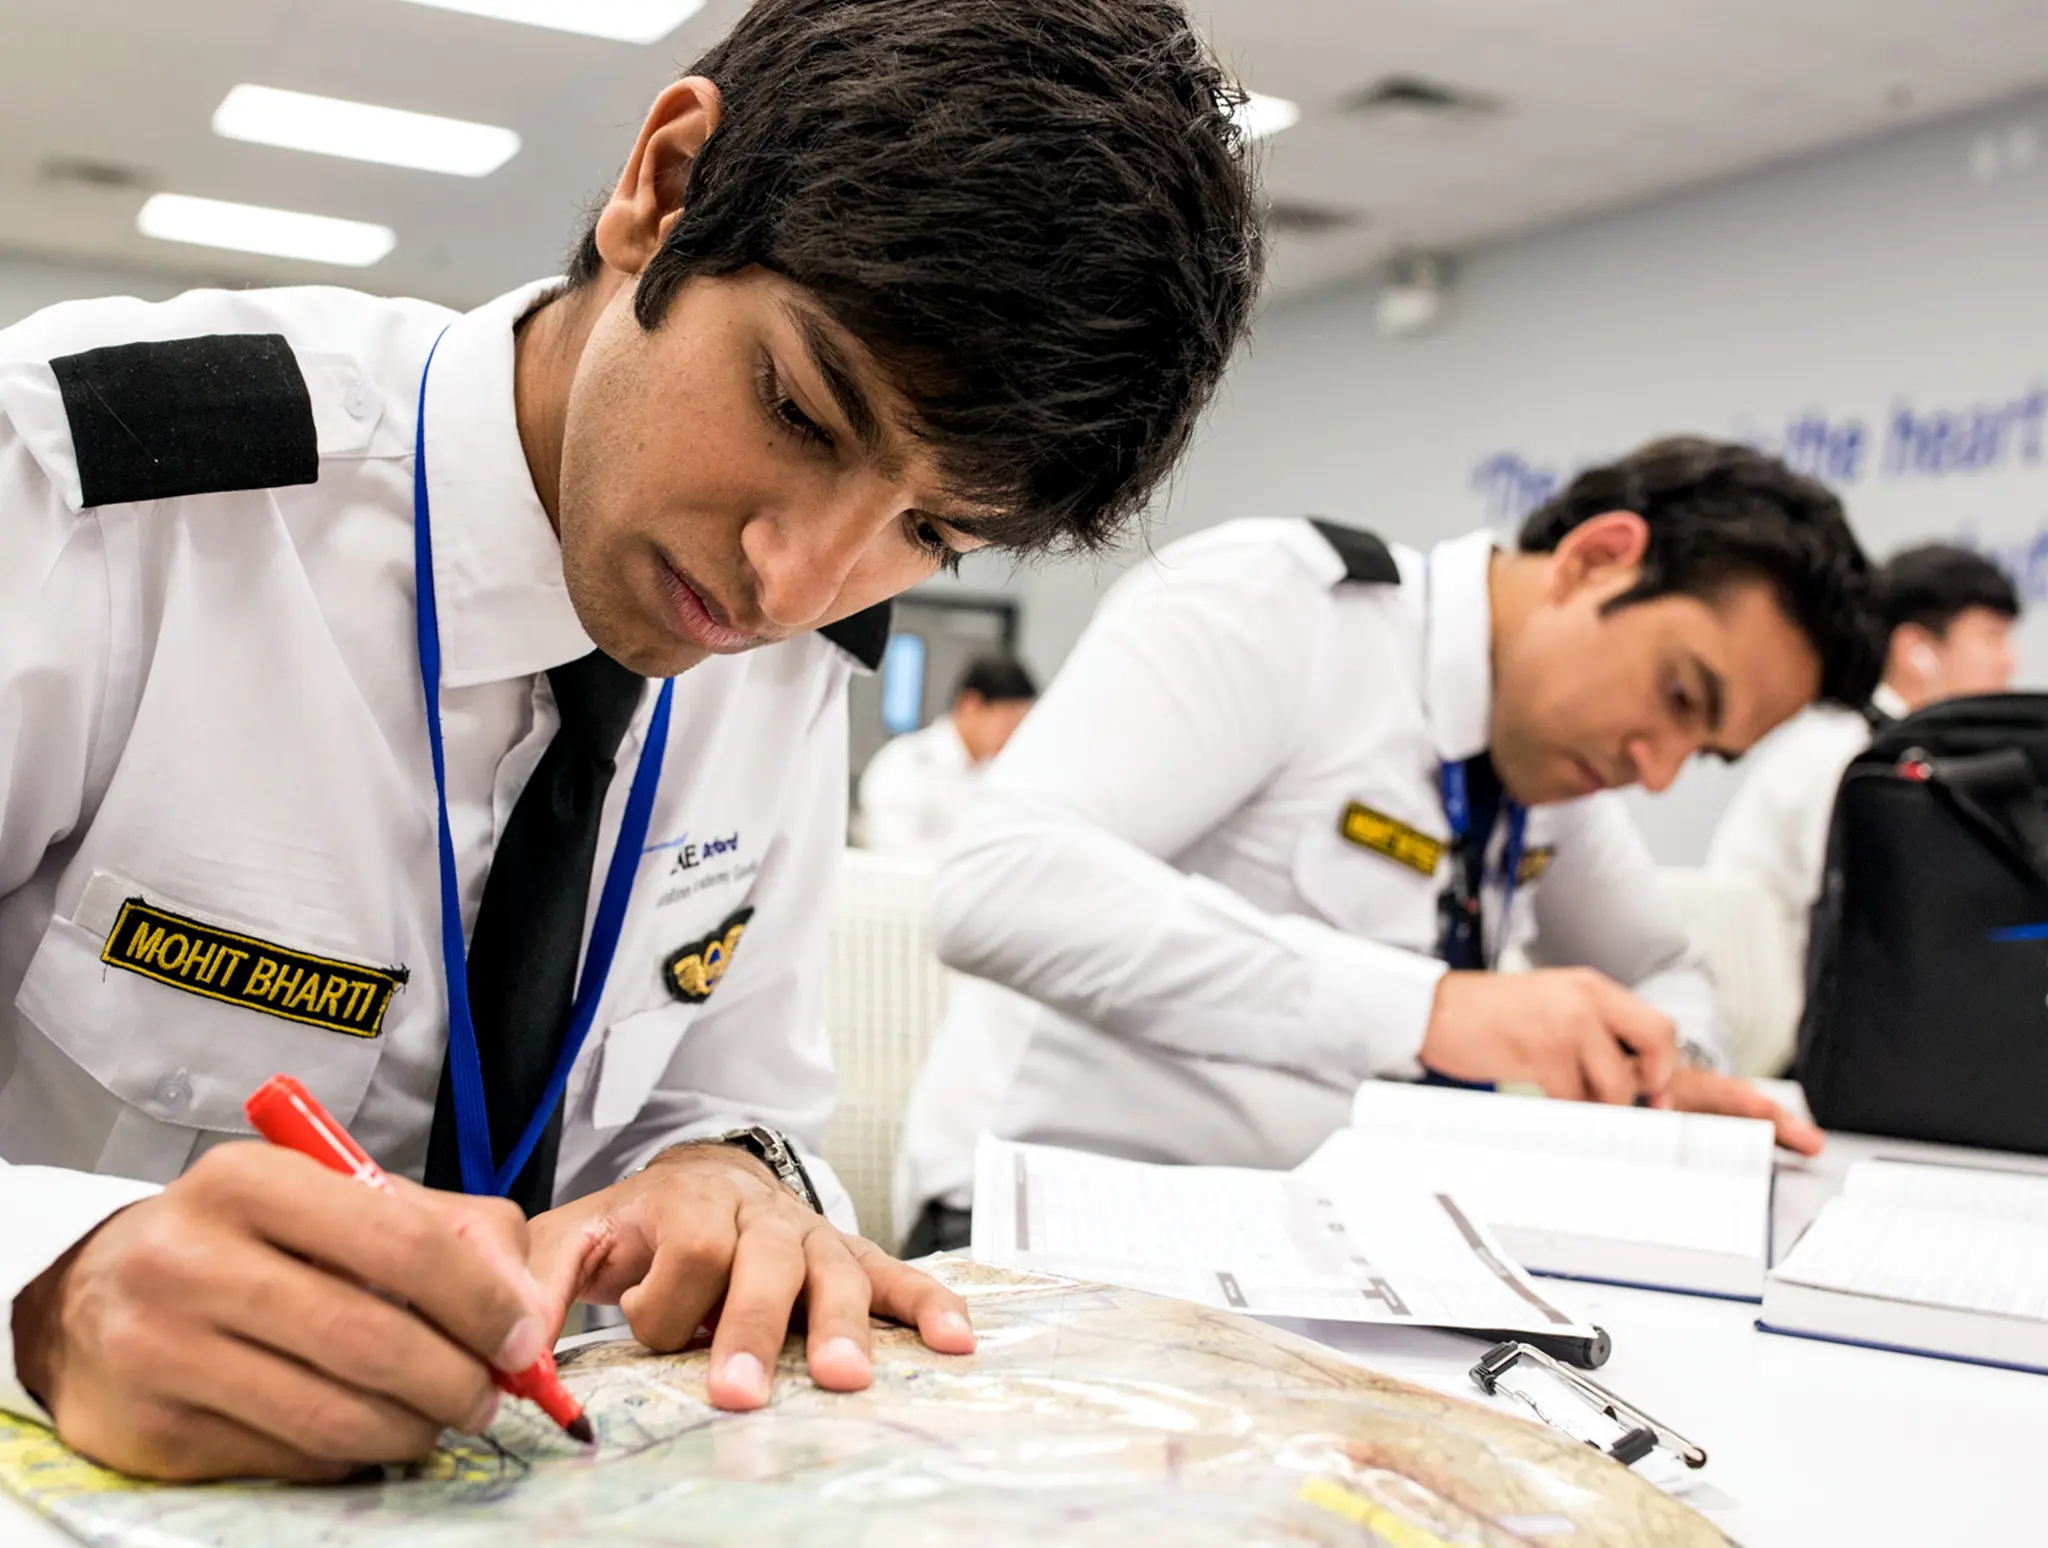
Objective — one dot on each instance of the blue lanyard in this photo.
(1458, 813)
(472, 1121)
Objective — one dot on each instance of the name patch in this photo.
(693, 971)
(259, 975)
(1389, 836)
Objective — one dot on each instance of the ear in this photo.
(650, 192)
(1911, 648)
(1603, 551)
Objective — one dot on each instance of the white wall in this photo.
(29, 284)
(1825, 297)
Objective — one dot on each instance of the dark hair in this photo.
(1933, 584)
(1722, 513)
(996, 677)
(1037, 215)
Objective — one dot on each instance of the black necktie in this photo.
(529, 928)
(1462, 905)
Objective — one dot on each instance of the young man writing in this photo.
(1296, 792)
(325, 625)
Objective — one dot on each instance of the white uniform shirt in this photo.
(1159, 859)
(915, 789)
(214, 703)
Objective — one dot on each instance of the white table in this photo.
(1812, 1444)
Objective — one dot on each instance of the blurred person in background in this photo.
(916, 787)
(1948, 614)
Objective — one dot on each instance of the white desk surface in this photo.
(1811, 1445)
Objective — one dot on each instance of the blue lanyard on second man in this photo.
(1473, 804)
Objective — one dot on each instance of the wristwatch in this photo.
(778, 1155)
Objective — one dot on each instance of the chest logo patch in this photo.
(1391, 837)
(1534, 863)
(692, 971)
(258, 975)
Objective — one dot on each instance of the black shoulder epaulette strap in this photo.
(206, 415)
(1366, 558)
(864, 635)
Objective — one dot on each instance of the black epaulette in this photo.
(205, 415)
(864, 635)
(1366, 558)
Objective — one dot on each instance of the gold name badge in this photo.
(1389, 836)
(244, 970)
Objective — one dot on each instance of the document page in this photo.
(1952, 1237)
(1684, 1180)
(1267, 1243)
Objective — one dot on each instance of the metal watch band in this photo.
(775, 1152)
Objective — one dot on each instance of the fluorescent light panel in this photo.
(628, 21)
(329, 126)
(1262, 115)
(251, 228)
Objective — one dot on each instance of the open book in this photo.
(1926, 1258)
(1273, 1244)
(1625, 1195)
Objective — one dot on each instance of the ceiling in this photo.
(1586, 104)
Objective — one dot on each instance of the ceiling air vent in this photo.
(1292, 217)
(1415, 97)
(83, 172)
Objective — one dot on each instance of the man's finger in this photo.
(768, 1271)
(1797, 1134)
(840, 1345)
(311, 1414)
(1561, 1073)
(1650, 1034)
(355, 1337)
(391, 1241)
(187, 1445)
(691, 1267)
(1611, 1076)
(911, 1296)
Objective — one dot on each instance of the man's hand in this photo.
(1572, 1031)
(224, 1328)
(1702, 1091)
(706, 1231)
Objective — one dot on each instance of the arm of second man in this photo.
(1183, 699)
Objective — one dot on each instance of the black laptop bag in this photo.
(1927, 967)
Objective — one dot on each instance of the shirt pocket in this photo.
(637, 1051)
(185, 1055)
(1365, 891)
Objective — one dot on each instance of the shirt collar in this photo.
(503, 607)
(1457, 647)
(1886, 701)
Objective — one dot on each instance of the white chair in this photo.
(885, 995)
(1742, 928)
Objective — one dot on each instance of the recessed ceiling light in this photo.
(1261, 115)
(251, 228)
(329, 126)
(629, 21)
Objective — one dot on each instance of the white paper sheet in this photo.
(1267, 1243)
(1690, 1181)
(1946, 1236)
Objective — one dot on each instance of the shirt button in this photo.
(174, 1090)
(356, 401)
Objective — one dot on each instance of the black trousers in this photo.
(939, 1228)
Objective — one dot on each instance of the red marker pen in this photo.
(287, 1114)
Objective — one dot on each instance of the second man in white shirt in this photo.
(1296, 792)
